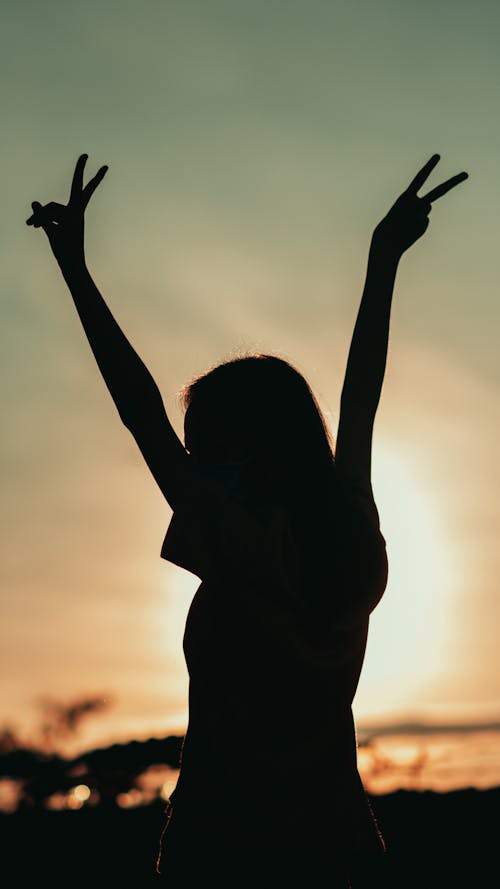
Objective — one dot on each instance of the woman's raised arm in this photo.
(132, 388)
(405, 223)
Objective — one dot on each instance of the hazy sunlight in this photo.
(409, 628)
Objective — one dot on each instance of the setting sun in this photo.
(410, 626)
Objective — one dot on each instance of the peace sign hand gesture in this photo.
(407, 220)
(64, 223)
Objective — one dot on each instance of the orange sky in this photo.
(250, 156)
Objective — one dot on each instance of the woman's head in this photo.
(259, 410)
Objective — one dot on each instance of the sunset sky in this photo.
(252, 148)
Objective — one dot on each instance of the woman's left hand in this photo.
(408, 218)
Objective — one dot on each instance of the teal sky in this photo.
(252, 148)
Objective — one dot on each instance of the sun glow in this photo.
(180, 587)
(410, 627)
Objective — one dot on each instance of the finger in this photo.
(422, 174)
(38, 217)
(35, 206)
(440, 190)
(53, 212)
(45, 215)
(425, 206)
(91, 186)
(77, 183)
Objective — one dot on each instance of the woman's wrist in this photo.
(73, 266)
(70, 259)
(383, 251)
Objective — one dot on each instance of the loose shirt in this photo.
(274, 644)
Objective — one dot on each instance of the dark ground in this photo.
(448, 840)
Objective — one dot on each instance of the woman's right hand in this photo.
(64, 223)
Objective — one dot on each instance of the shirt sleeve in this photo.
(190, 540)
(217, 534)
(220, 535)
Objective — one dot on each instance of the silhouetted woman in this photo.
(283, 532)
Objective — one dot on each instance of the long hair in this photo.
(258, 410)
